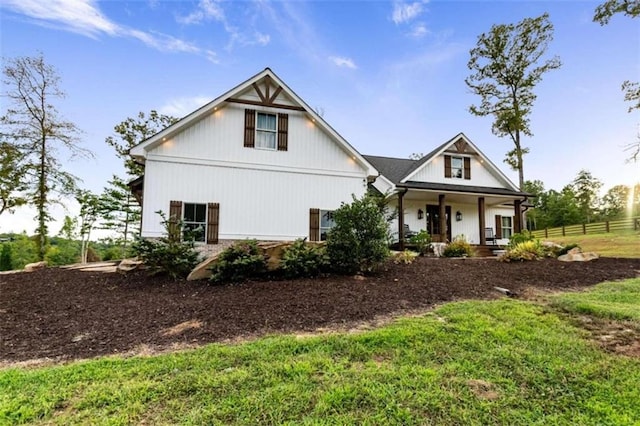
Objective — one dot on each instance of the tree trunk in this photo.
(42, 200)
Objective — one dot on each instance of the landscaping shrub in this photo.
(520, 237)
(565, 249)
(5, 257)
(526, 250)
(406, 256)
(358, 241)
(421, 240)
(169, 254)
(304, 260)
(459, 247)
(239, 262)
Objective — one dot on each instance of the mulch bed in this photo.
(62, 314)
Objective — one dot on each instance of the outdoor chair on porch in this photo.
(408, 233)
(490, 236)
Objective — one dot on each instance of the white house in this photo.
(454, 190)
(257, 162)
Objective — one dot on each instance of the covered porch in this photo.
(482, 215)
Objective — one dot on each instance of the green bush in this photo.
(358, 241)
(421, 240)
(62, 252)
(304, 260)
(520, 237)
(5, 257)
(459, 247)
(526, 250)
(167, 255)
(239, 262)
(565, 249)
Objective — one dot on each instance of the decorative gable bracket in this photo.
(267, 98)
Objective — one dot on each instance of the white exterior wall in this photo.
(434, 172)
(263, 194)
(468, 226)
(219, 138)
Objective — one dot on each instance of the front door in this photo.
(433, 222)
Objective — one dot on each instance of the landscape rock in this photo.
(576, 255)
(35, 266)
(438, 248)
(128, 265)
(202, 270)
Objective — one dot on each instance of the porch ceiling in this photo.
(431, 197)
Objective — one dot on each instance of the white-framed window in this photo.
(507, 227)
(266, 130)
(326, 223)
(194, 217)
(457, 167)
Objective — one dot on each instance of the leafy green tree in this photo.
(90, 205)
(5, 257)
(507, 64)
(560, 208)
(62, 252)
(358, 241)
(23, 251)
(34, 125)
(586, 189)
(12, 178)
(615, 202)
(631, 89)
(120, 211)
(68, 229)
(536, 188)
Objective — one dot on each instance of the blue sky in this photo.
(389, 76)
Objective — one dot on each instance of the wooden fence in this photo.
(632, 223)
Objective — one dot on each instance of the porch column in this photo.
(517, 216)
(443, 219)
(483, 237)
(401, 220)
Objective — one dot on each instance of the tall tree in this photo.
(13, 177)
(631, 89)
(586, 188)
(35, 126)
(89, 211)
(119, 210)
(507, 64)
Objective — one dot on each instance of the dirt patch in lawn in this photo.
(57, 314)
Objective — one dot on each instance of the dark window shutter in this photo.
(283, 132)
(175, 215)
(498, 226)
(249, 128)
(213, 218)
(314, 224)
(447, 166)
(467, 168)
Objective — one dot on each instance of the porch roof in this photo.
(445, 187)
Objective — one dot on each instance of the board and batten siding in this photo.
(434, 172)
(468, 226)
(254, 203)
(218, 140)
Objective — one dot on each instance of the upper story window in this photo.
(457, 167)
(266, 131)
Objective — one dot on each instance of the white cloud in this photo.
(179, 107)
(419, 30)
(406, 12)
(343, 62)
(85, 18)
(207, 10)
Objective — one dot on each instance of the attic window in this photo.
(266, 131)
(457, 167)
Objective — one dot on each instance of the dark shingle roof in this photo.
(461, 188)
(393, 169)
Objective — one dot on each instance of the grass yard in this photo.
(474, 362)
(624, 244)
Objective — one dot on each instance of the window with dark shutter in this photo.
(314, 224)
(283, 131)
(249, 128)
(213, 217)
(467, 168)
(175, 215)
(447, 166)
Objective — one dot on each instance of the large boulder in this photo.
(127, 265)
(30, 267)
(576, 255)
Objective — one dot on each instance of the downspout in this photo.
(401, 219)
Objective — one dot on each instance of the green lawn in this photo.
(624, 244)
(500, 362)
